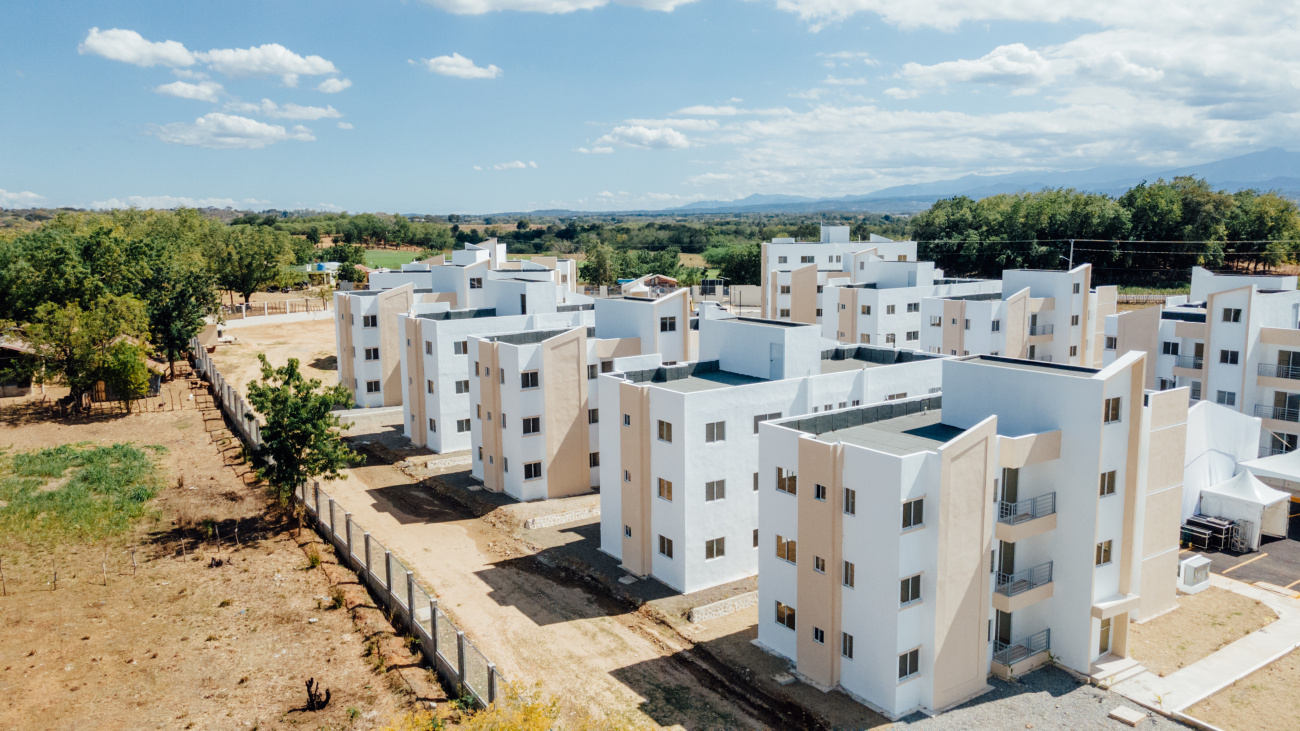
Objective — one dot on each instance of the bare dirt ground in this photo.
(1202, 624)
(310, 341)
(176, 641)
(1265, 699)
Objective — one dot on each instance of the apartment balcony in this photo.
(1020, 520)
(1042, 358)
(1189, 366)
(1019, 657)
(1282, 377)
(1023, 588)
(1035, 330)
(1271, 451)
(1277, 413)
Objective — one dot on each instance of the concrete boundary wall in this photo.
(571, 516)
(724, 607)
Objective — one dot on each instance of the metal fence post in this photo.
(410, 600)
(433, 630)
(367, 540)
(347, 529)
(388, 574)
(315, 488)
(332, 531)
(492, 682)
(460, 660)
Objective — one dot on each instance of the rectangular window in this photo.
(532, 424)
(665, 489)
(997, 326)
(480, 454)
(476, 282)
(866, 309)
(665, 547)
(591, 372)
(593, 416)
(593, 459)
(370, 321)
(1076, 287)
(715, 431)
(805, 260)
(372, 353)
(1231, 314)
(462, 386)
(532, 470)
(433, 425)
(896, 396)
(786, 481)
(889, 338)
(913, 513)
(889, 309)
(785, 550)
(476, 369)
(967, 326)
(755, 482)
(850, 574)
(866, 339)
(780, 260)
(913, 306)
(667, 324)
(627, 531)
(715, 490)
(460, 347)
(1229, 356)
(716, 548)
(819, 492)
(785, 313)
(909, 664)
(1074, 350)
(1112, 408)
(936, 321)
(665, 431)
(846, 645)
(627, 476)
(764, 417)
(1112, 342)
(785, 289)
(1074, 320)
(1169, 348)
(912, 335)
(909, 591)
(850, 502)
(528, 379)
(428, 347)
(1227, 398)
(627, 420)
(372, 387)
(1108, 483)
(819, 636)
(819, 312)
(428, 386)
(785, 615)
(820, 288)
(819, 564)
(478, 411)
(462, 426)
(1103, 553)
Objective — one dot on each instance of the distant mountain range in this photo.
(1274, 169)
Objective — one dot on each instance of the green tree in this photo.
(182, 295)
(523, 225)
(597, 269)
(739, 264)
(125, 373)
(302, 437)
(313, 235)
(72, 344)
(349, 272)
(248, 258)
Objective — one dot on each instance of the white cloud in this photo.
(478, 167)
(595, 150)
(269, 108)
(838, 81)
(227, 131)
(726, 110)
(478, 7)
(460, 67)
(656, 138)
(190, 74)
(171, 201)
(691, 125)
(333, 86)
(19, 199)
(345, 125)
(515, 165)
(843, 59)
(130, 47)
(270, 59)
(1012, 65)
(204, 91)
(901, 93)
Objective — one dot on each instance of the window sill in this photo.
(908, 679)
(913, 529)
(909, 605)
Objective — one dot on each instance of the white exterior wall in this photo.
(362, 338)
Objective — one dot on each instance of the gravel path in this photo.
(1047, 698)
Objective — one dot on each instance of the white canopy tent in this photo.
(1279, 470)
(1218, 440)
(1244, 497)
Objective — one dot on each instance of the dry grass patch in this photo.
(1202, 624)
(1265, 699)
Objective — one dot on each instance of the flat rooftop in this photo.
(708, 381)
(848, 364)
(1059, 369)
(900, 435)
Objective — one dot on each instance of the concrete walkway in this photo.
(1207, 676)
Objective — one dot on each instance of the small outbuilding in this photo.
(1245, 498)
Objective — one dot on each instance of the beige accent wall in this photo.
(415, 387)
(954, 336)
(763, 280)
(1140, 330)
(1016, 324)
(1041, 304)
(434, 297)
(1192, 330)
(820, 530)
(1133, 415)
(803, 294)
(634, 450)
(961, 602)
(848, 315)
(564, 371)
(489, 386)
(770, 301)
(1162, 512)
(1105, 302)
(1280, 336)
(391, 304)
(347, 374)
(618, 347)
(1086, 343)
(685, 323)
(1016, 452)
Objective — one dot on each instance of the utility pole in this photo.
(1071, 260)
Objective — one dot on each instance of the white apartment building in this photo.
(910, 549)
(478, 278)
(544, 378)
(1053, 316)
(679, 444)
(1236, 342)
(817, 263)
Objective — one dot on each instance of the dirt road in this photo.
(596, 656)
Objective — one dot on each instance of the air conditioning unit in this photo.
(1194, 574)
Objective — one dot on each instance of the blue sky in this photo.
(493, 105)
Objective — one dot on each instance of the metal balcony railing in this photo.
(1196, 391)
(1042, 329)
(1042, 358)
(1189, 361)
(1270, 451)
(1022, 581)
(1276, 412)
(1279, 371)
(1019, 512)
(1014, 652)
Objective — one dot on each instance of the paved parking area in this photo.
(1277, 562)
